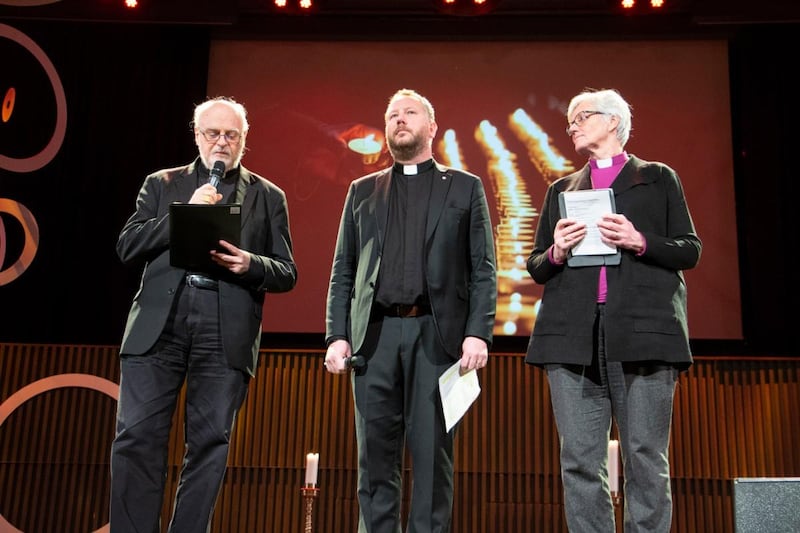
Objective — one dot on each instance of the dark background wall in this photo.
(130, 94)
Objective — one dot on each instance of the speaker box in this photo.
(766, 505)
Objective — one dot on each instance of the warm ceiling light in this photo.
(131, 3)
(465, 7)
(631, 4)
(294, 5)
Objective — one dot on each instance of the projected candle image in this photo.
(368, 147)
(517, 295)
(501, 114)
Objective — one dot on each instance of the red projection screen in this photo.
(316, 110)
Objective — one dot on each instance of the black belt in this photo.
(405, 310)
(201, 282)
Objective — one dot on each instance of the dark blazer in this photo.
(646, 303)
(265, 234)
(459, 258)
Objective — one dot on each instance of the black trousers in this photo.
(397, 403)
(189, 350)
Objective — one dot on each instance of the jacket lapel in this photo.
(629, 176)
(383, 186)
(439, 188)
(182, 185)
(245, 194)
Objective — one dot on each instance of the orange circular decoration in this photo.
(37, 161)
(31, 245)
(8, 103)
(58, 381)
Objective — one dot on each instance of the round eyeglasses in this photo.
(212, 136)
(580, 118)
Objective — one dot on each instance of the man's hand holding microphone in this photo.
(339, 358)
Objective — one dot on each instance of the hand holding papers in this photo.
(458, 393)
(588, 206)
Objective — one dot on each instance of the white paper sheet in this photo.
(458, 393)
(589, 206)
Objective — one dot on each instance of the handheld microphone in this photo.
(354, 361)
(216, 173)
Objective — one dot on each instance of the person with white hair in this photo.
(198, 328)
(611, 332)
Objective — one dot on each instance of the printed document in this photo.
(458, 393)
(589, 206)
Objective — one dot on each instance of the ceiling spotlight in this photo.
(465, 7)
(648, 6)
(294, 6)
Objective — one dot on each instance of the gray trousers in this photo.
(639, 398)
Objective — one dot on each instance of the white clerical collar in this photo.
(608, 162)
(413, 170)
(604, 163)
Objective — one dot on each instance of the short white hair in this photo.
(230, 102)
(610, 102)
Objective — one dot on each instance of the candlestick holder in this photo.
(310, 493)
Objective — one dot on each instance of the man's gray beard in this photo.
(405, 152)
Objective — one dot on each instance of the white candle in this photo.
(613, 465)
(312, 467)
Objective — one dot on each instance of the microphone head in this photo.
(355, 361)
(216, 173)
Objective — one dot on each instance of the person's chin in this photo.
(581, 146)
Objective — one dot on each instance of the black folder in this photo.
(195, 230)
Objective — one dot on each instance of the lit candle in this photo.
(613, 466)
(312, 467)
(368, 147)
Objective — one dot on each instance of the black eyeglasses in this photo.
(213, 136)
(580, 118)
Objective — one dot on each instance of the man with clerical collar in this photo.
(412, 292)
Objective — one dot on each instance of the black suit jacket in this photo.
(265, 234)
(459, 258)
(645, 307)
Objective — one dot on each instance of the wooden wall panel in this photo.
(734, 417)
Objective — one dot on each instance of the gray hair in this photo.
(230, 102)
(610, 102)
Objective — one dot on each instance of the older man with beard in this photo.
(412, 291)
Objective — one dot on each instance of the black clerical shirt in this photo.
(401, 279)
